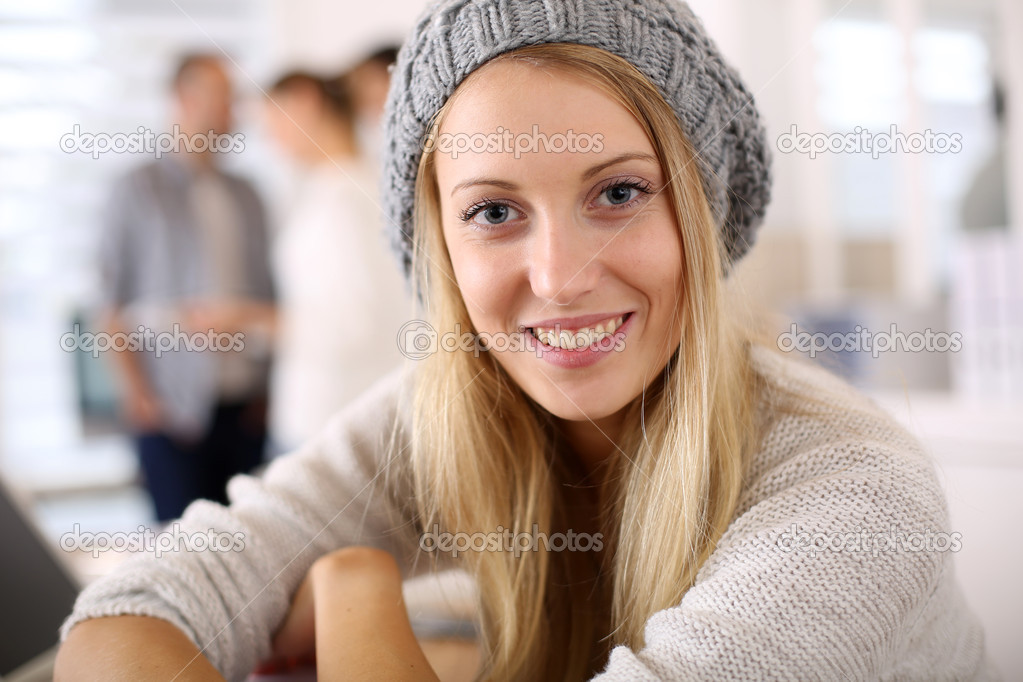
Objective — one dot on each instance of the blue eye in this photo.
(619, 194)
(494, 214)
(488, 212)
(622, 193)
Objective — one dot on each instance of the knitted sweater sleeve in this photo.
(837, 566)
(327, 495)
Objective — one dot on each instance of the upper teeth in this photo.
(579, 338)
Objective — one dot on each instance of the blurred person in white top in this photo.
(342, 296)
(368, 82)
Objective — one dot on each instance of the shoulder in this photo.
(134, 195)
(242, 186)
(345, 181)
(837, 558)
(147, 173)
(828, 455)
(811, 416)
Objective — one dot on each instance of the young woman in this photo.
(641, 489)
(331, 262)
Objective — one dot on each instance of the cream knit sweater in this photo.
(837, 565)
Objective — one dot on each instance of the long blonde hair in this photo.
(485, 456)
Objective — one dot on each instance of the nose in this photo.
(563, 266)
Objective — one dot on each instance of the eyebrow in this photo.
(510, 186)
(621, 158)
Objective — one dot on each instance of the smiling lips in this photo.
(576, 339)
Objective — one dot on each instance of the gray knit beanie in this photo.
(661, 38)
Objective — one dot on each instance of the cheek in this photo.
(666, 292)
(668, 267)
(652, 263)
(486, 281)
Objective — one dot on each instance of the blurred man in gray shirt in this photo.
(185, 265)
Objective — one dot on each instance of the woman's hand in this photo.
(351, 612)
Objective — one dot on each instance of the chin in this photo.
(576, 405)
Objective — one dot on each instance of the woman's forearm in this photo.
(130, 648)
(362, 626)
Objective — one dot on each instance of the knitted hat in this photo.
(661, 38)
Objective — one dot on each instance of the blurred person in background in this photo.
(368, 81)
(185, 254)
(985, 205)
(342, 300)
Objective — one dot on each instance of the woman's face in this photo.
(566, 252)
(291, 115)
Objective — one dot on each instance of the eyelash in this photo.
(641, 186)
(481, 205)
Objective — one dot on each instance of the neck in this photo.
(333, 142)
(197, 161)
(594, 442)
(194, 159)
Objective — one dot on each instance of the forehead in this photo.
(207, 74)
(512, 113)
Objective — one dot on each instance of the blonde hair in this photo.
(485, 455)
